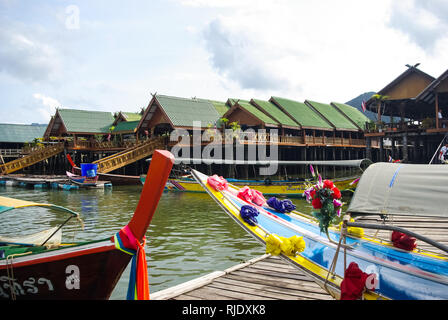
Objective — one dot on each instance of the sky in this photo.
(111, 55)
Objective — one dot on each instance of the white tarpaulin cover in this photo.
(402, 189)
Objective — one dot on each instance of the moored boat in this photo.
(273, 188)
(287, 187)
(87, 270)
(389, 272)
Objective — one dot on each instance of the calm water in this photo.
(189, 236)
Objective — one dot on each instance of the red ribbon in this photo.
(354, 282)
(403, 241)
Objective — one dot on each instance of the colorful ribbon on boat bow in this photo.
(276, 244)
(403, 241)
(138, 288)
(355, 282)
(251, 195)
(217, 182)
(281, 206)
(249, 214)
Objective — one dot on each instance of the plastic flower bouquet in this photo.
(325, 197)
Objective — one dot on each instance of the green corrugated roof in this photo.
(302, 113)
(333, 115)
(126, 126)
(254, 111)
(183, 112)
(354, 114)
(132, 116)
(86, 121)
(276, 113)
(220, 106)
(21, 133)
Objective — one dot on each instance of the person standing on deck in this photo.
(442, 153)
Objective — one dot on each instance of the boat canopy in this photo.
(7, 204)
(402, 189)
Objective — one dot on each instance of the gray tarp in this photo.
(402, 189)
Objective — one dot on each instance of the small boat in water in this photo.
(343, 259)
(87, 270)
(83, 182)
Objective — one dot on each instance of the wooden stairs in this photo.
(129, 155)
(34, 157)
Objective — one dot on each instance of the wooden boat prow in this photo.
(88, 270)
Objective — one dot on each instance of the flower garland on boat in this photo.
(275, 244)
(325, 197)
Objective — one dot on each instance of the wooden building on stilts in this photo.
(415, 98)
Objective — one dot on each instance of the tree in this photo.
(380, 101)
(223, 122)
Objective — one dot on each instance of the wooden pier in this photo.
(263, 278)
(272, 278)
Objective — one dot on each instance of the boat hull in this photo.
(115, 179)
(77, 273)
(400, 274)
(288, 189)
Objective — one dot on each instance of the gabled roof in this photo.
(252, 110)
(420, 78)
(80, 122)
(302, 114)
(126, 116)
(275, 113)
(352, 114)
(336, 118)
(182, 112)
(21, 133)
(131, 116)
(428, 94)
(86, 121)
(126, 126)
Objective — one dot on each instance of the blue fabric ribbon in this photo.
(281, 205)
(132, 287)
(249, 214)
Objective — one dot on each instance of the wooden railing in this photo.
(99, 145)
(37, 155)
(10, 152)
(129, 155)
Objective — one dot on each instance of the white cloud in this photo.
(303, 49)
(47, 105)
(24, 56)
(425, 22)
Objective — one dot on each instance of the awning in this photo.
(402, 189)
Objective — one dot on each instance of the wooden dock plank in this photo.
(211, 292)
(293, 291)
(263, 278)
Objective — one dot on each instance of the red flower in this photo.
(312, 193)
(336, 193)
(328, 184)
(316, 203)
